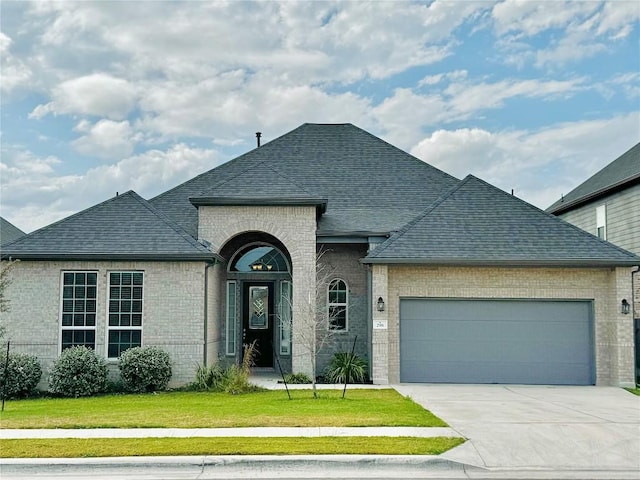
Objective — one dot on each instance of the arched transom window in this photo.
(338, 304)
(259, 258)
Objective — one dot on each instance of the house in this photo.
(9, 232)
(434, 279)
(608, 205)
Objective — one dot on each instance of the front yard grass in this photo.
(635, 391)
(360, 408)
(117, 447)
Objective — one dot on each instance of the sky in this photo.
(99, 97)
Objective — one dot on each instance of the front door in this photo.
(258, 319)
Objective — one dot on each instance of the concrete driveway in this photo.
(531, 427)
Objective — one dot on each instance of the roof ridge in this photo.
(397, 235)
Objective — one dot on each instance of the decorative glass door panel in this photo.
(259, 308)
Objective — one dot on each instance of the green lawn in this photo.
(635, 391)
(209, 410)
(115, 447)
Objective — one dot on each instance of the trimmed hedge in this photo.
(78, 372)
(145, 369)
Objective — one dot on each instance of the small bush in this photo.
(233, 379)
(21, 376)
(346, 368)
(145, 369)
(297, 378)
(78, 372)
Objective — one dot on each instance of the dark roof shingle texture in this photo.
(476, 223)
(126, 226)
(370, 185)
(9, 232)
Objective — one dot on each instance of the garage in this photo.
(496, 341)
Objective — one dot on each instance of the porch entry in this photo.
(258, 319)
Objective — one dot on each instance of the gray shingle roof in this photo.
(259, 184)
(9, 232)
(478, 224)
(623, 171)
(370, 185)
(124, 227)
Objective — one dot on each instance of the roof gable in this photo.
(124, 227)
(623, 171)
(369, 184)
(476, 223)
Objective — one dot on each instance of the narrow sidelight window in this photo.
(601, 222)
(231, 318)
(286, 298)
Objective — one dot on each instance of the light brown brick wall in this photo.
(295, 227)
(173, 312)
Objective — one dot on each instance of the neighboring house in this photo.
(9, 232)
(608, 206)
(434, 278)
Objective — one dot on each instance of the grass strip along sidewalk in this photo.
(361, 408)
(121, 447)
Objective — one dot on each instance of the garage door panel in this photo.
(496, 341)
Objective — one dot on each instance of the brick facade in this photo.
(295, 227)
(173, 312)
(606, 287)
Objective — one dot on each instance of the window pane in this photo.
(136, 306)
(121, 306)
(113, 319)
(114, 306)
(67, 292)
(80, 278)
(78, 320)
(80, 292)
(137, 278)
(136, 320)
(137, 293)
(68, 278)
(66, 319)
(91, 306)
(125, 292)
(92, 278)
(78, 306)
(90, 320)
(126, 278)
(114, 279)
(114, 292)
(125, 320)
(67, 306)
(91, 292)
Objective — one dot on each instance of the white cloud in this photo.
(538, 165)
(15, 73)
(34, 194)
(105, 139)
(99, 94)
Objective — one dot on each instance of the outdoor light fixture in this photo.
(625, 307)
(380, 304)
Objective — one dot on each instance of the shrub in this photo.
(21, 376)
(346, 368)
(145, 369)
(233, 379)
(78, 372)
(297, 378)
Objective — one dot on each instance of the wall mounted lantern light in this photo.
(380, 304)
(625, 307)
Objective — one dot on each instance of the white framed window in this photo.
(286, 316)
(601, 222)
(125, 310)
(78, 304)
(231, 318)
(338, 296)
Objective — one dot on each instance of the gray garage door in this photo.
(496, 341)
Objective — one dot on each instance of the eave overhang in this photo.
(483, 262)
(150, 257)
(319, 203)
(613, 188)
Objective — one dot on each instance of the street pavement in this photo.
(533, 432)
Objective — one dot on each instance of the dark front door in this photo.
(258, 319)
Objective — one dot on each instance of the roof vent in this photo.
(258, 135)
